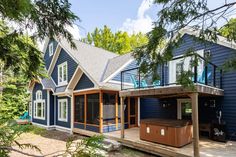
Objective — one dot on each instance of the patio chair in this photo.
(25, 116)
(135, 82)
(156, 83)
(201, 79)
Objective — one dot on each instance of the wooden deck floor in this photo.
(208, 148)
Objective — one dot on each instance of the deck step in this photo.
(111, 145)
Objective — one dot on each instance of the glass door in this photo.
(184, 109)
(133, 112)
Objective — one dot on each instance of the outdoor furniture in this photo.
(135, 82)
(24, 119)
(218, 131)
(205, 127)
(176, 133)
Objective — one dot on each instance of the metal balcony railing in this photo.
(204, 72)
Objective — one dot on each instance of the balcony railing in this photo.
(204, 72)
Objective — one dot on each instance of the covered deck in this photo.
(207, 82)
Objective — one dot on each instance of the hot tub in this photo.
(176, 133)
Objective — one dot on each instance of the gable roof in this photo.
(116, 63)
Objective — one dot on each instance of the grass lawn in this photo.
(53, 143)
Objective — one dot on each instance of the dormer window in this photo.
(62, 74)
(50, 47)
(39, 95)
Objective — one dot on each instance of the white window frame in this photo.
(61, 110)
(50, 49)
(39, 99)
(30, 109)
(64, 79)
(179, 107)
(172, 66)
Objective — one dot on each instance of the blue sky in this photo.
(128, 15)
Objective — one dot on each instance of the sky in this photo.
(127, 15)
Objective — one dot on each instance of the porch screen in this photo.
(79, 108)
(109, 108)
(93, 109)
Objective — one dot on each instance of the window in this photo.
(184, 109)
(50, 49)
(62, 110)
(39, 106)
(62, 74)
(109, 108)
(79, 109)
(93, 109)
(179, 69)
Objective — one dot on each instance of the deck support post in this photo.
(194, 100)
(122, 113)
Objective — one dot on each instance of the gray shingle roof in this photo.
(92, 59)
(115, 63)
(48, 83)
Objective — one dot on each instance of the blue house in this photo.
(84, 86)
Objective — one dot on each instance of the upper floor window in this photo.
(50, 49)
(62, 74)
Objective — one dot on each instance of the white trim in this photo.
(45, 46)
(48, 108)
(54, 59)
(72, 115)
(61, 107)
(76, 80)
(118, 82)
(50, 49)
(117, 71)
(53, 127)
(63, 82)
(179, 107)
(55, 108)
(139, 113)
(82, 90)
(35, 111)
(40, 125)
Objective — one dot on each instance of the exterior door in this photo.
(184, 109)
(133, 112)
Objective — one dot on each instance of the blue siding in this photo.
(110, 128)
(37, 87)
(80, 126)
(219, 54)
(84, 83)
(72, 65)
(130, 66)
(51, 109)
(92, 128)
(152, 108)
(61, 123)
(47, 58)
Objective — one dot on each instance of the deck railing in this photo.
(205, 73)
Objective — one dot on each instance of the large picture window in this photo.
(62, 74)
(93, 109)
(39, 106)
(62, 110)
(79, 109)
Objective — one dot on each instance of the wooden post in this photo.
(117, 112)
(194, 101)
(122, 99)
(101, 111)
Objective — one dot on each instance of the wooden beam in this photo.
(122, 99)
(194, 100)
(101, 111)
(117, 111)
(128, 112)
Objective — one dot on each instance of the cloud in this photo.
(74, 30)
(143, 22)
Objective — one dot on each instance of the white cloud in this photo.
(143, 22)
(74, 30)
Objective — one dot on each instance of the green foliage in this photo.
(9, 132)
(229, 30)
(47, 18)
(86, 147)
(173, 16)
(119, 42)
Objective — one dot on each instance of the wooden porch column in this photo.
(122, 133)
(117, 111)
(101, 111)
(194, 100)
